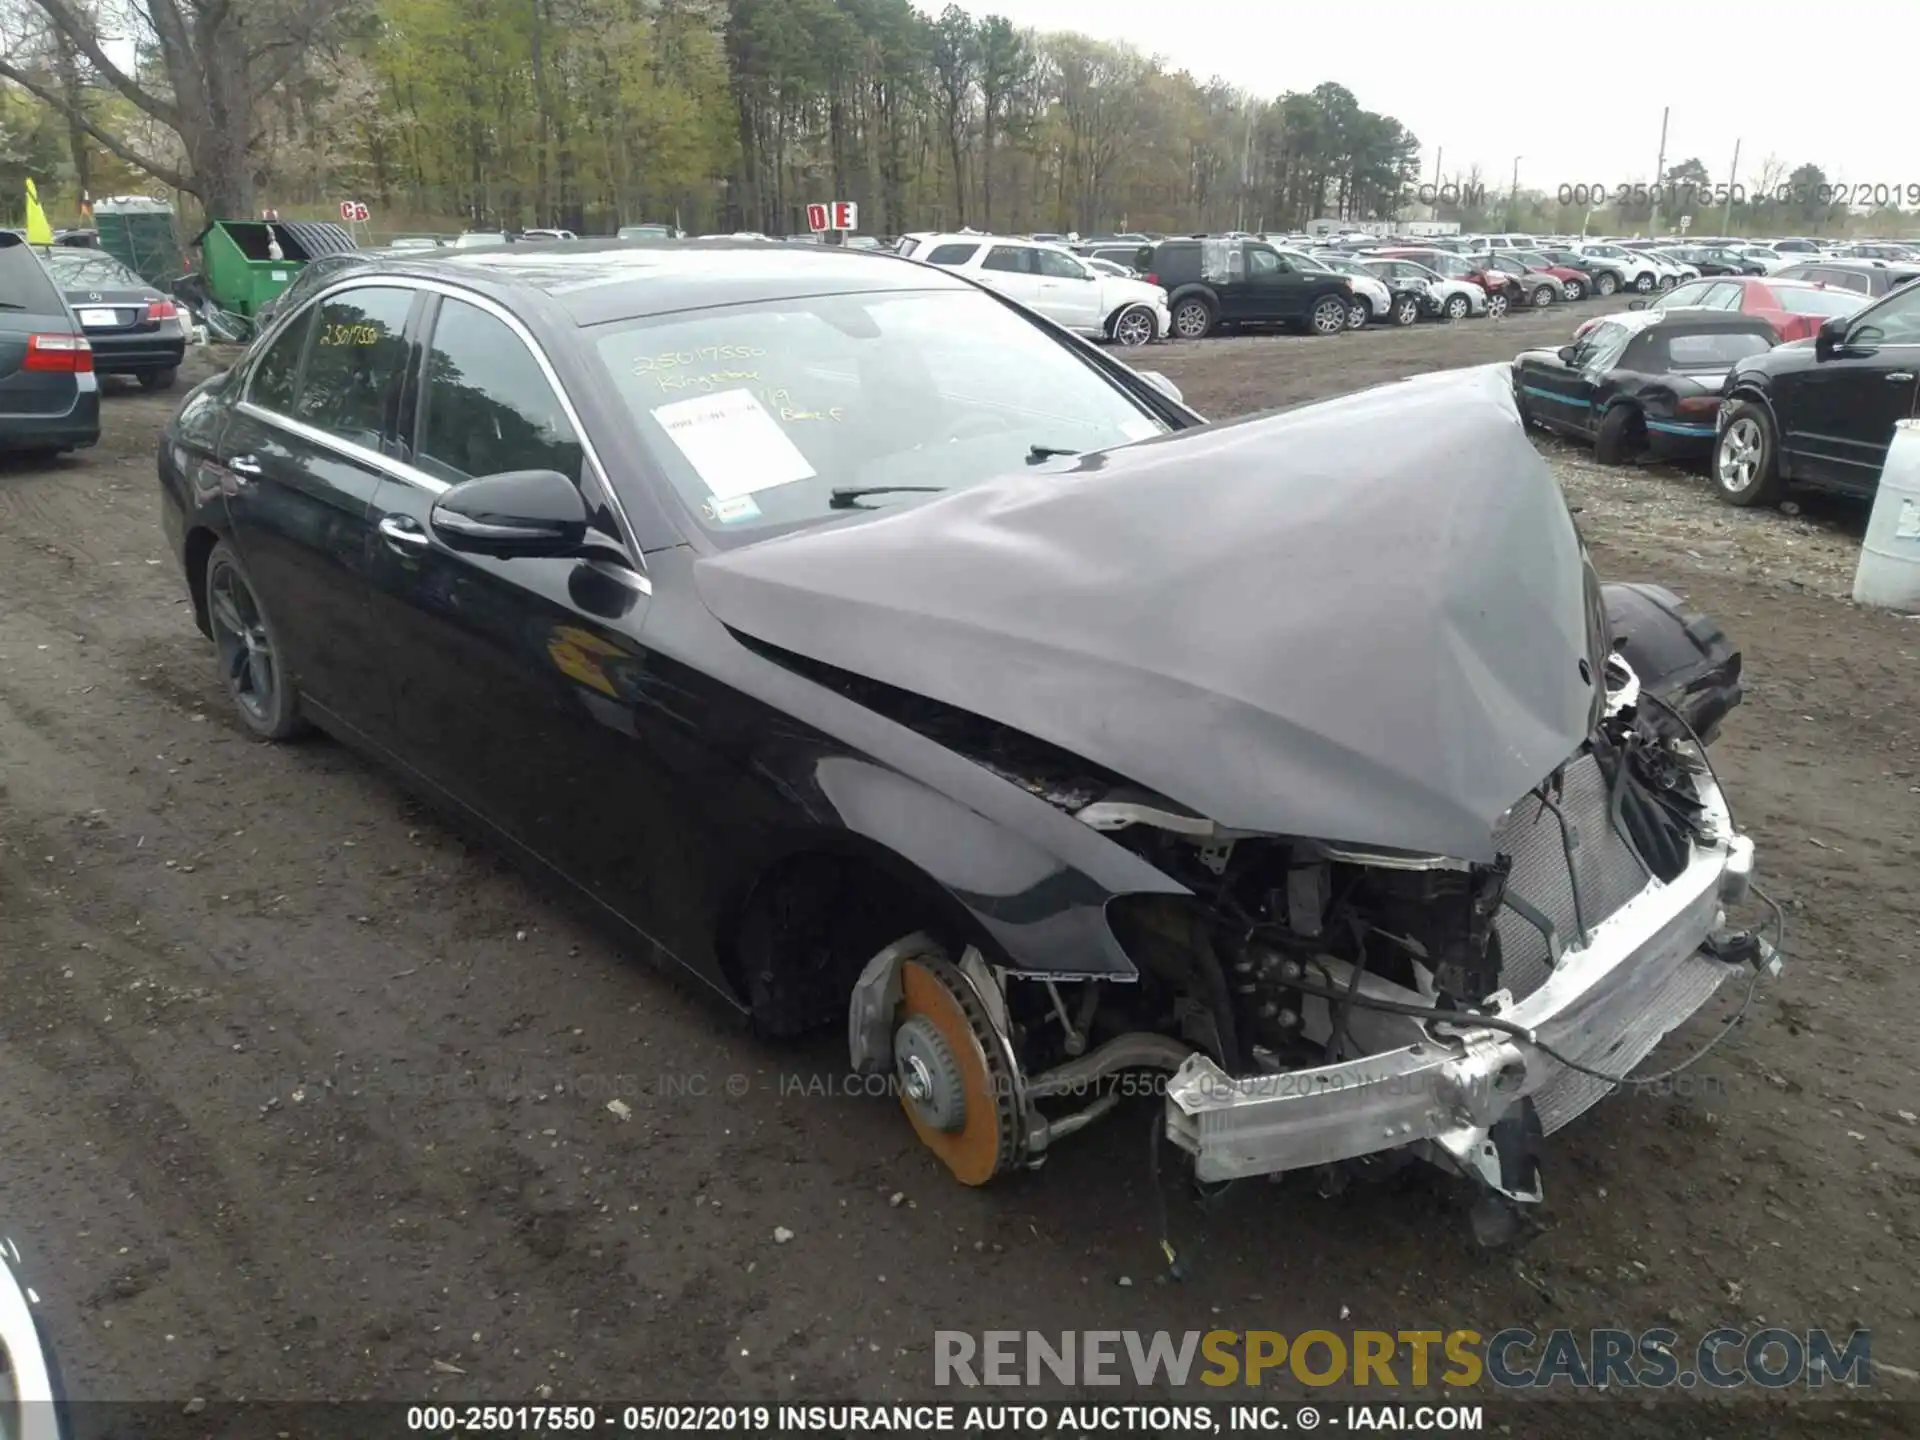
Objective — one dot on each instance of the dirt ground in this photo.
(308, 1097)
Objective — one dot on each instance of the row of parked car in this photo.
(1132, 290)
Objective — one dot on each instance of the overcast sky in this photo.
(1564, 87)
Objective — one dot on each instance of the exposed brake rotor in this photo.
(957, 1082)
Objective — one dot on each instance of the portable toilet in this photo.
(140, 234)
(236, 257)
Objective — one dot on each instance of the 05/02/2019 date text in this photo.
(1685, 194)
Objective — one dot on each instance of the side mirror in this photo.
(1831, 337)
(1165, 386)
(1566, 353)
(1636, 305)
(517, 512)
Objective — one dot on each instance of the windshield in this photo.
(72, 269)
(1796, 301)
(757, 414)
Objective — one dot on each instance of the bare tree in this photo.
(202, 69)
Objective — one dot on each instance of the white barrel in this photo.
(1889, 573)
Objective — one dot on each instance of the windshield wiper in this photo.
(1039, 454)
(848, 497)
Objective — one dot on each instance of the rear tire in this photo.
(1359, 313)
(252, 664)
(1745, 468)
(1576, 290)
(1645, 283)
(1458, 307)
(1542, 297)
(158, 379)
(1192, 318)
(1623, 435)
(1330, 316)
(1406, 310)
(1497, 304)
(1605, 284)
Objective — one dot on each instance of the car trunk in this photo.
(29, 306)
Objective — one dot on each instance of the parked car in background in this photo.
(476, 238)
(1643, 382)
(1371, 297)
(1765, 256)
(1497, 285)
(1872, 278)
(1821, 414)
(1626, 269)
(49, 395)
(1387, 298)
(1057, 284)
(1572, 278)
(1712, 260)
(135, 328)
(647, 232)
(415, 242)
(1446, 298)
(544, 233)
(1536, 289)
(1795, 308)
(1216, 281)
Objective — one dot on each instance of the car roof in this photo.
(595, 281)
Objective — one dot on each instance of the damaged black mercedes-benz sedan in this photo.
(891, 658)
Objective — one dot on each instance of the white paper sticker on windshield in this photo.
(733, 444)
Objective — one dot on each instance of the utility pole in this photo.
(1513, 195)
(1733, 179)
(1659, 170)
(1433, 207)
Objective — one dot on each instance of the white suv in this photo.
(1059, 285)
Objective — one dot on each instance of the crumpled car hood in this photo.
(1362, 621)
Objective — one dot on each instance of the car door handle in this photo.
(245, 465)
(1900, 377)
(404, 531)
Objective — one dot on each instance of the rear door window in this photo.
(356, 364)
(1011, 259)
(23, 282)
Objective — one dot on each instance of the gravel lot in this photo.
(310, 1095)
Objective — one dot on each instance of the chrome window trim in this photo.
(399, 469)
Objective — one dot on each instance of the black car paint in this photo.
(136, 344)
(590, 711)
(1285, 295)
(593, 715)
(1833, 402)
(1559, 391)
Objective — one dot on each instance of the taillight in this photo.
(1697, 404)
(1152, 279)
(60, 354)
(161, 310)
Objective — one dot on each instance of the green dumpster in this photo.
(242, 271)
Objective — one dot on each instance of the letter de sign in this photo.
(840, 215)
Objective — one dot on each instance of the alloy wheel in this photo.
(1737, 463)
(1134, 328)
(1330, 316)
(248, 663)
